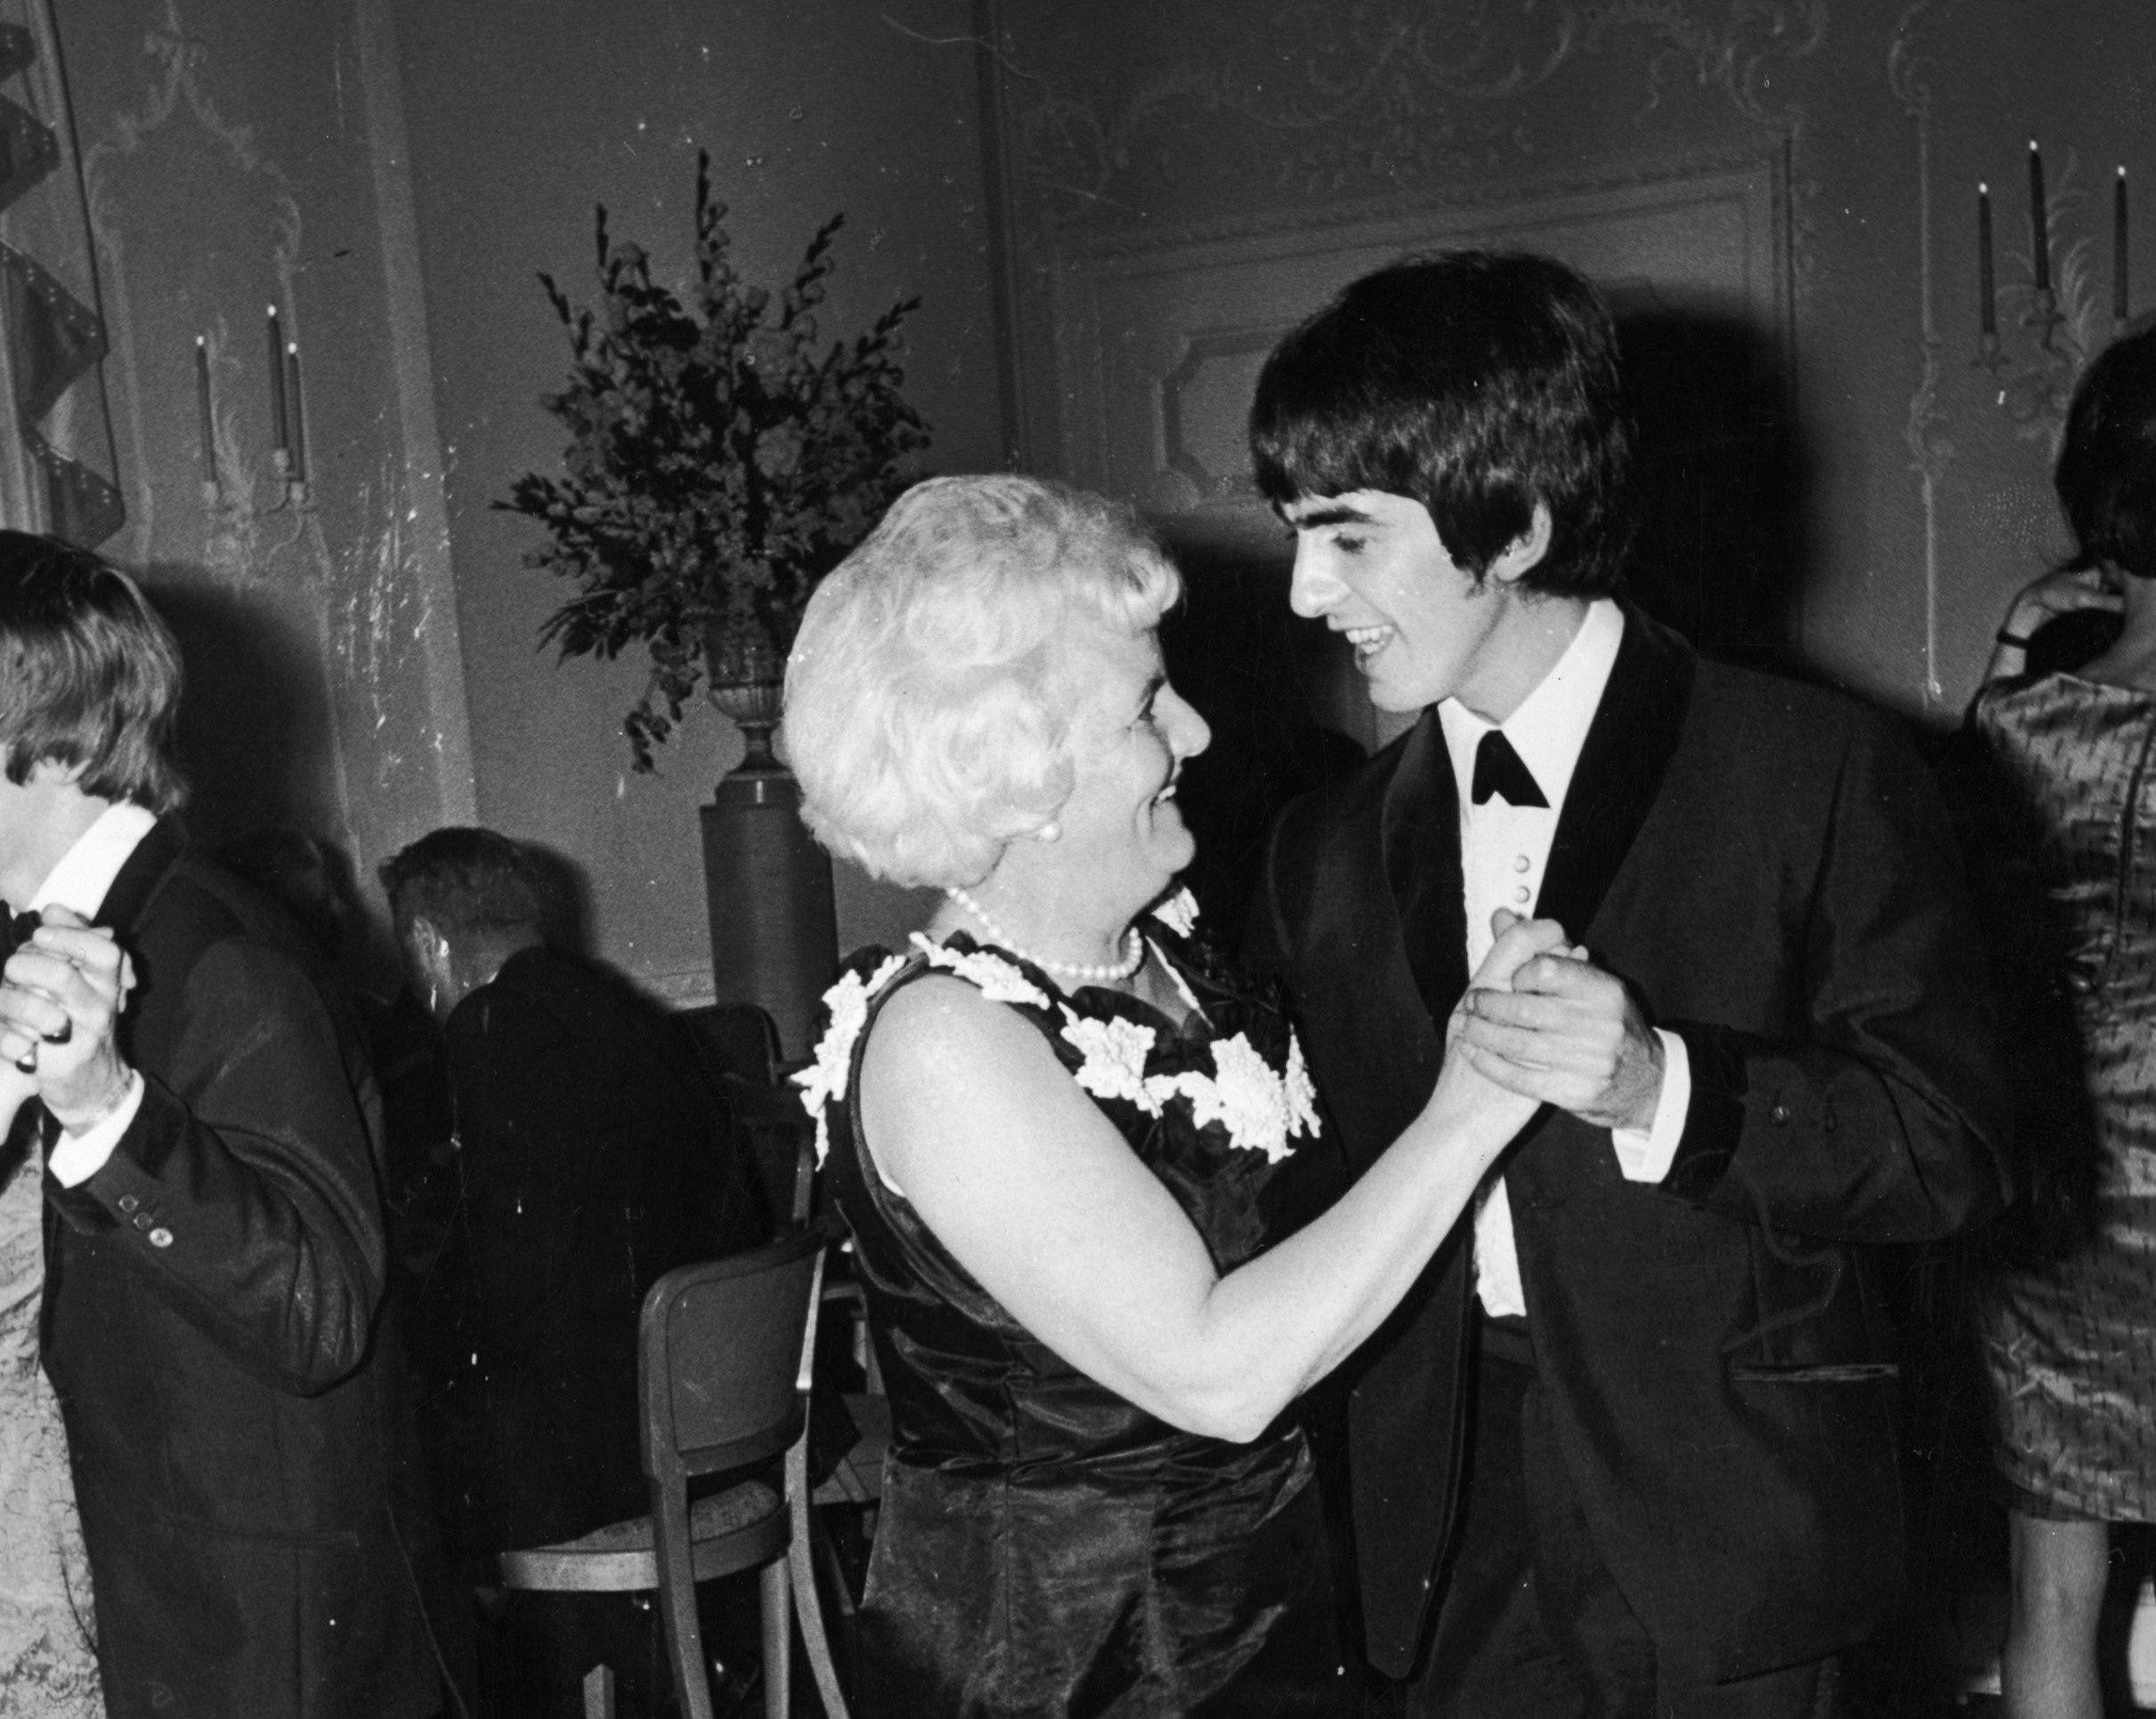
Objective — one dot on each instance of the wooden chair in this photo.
(725, 1349)
(736, 1039)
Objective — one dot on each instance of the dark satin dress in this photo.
(1046, 1548)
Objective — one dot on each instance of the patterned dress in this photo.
(2070, 1338)
(48, 1665)
(1046, 1548)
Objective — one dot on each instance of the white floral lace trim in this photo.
(1115, 1050)
(1179, 912)
(825, 1079)
(1261, 1110)
(999, 980)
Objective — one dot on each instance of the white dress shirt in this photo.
(79, 882)
(1503, 852)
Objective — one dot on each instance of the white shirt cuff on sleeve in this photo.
(78, 1158)
(1644, 1154)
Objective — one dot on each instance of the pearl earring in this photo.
(1049, 831)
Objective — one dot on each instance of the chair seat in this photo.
(858, 1478)
(728, 1530)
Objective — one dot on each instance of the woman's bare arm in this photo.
(1038, 1197)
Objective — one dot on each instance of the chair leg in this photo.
(599, 1692)
(801, 1567)
(778, 1641)
(685, 1646)
(809, 1604)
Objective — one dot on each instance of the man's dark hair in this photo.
(2106, 475)
(465, 881)
(1477, 384)
(89, 674)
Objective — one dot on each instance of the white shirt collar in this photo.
(85, 872)
(1550, 724)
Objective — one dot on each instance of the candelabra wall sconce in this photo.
(2061, 308)
(287, 425)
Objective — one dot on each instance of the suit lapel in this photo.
(144, 870)
(1621, 766)
(1420, 834)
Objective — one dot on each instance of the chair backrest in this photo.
(738, 1038)
(719, 1352)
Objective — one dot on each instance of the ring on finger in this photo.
(27, 1061)
(65, 1032)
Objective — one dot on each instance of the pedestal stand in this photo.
(774, 929)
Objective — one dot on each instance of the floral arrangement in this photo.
(720, 462)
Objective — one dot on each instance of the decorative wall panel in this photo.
(1160, 339)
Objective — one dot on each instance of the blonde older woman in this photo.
(1078, 1151)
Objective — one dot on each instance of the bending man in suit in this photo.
(1629, 1447)
(590, 1158)
(214, 1241)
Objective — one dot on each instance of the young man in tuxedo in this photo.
(1629, 1447)
(214, 1248)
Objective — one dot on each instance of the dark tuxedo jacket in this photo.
(591, 1159)
(237, 1428)
(1767, 864)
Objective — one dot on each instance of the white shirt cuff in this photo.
(78, 1158)
(1644, 1154)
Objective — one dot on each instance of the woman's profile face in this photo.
(1130, 734)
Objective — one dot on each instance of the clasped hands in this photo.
(1562, 1032)
(60, 1005)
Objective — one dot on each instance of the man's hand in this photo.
(1569, 1035)
(59, 1007)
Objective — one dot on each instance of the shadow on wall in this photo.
(255, 735)
(1259, 675)
(1721, 555)
(565, 899)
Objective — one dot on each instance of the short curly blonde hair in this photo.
(928, 697)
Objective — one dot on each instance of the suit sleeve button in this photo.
(127, 1203)
(143, 1221)
(1780, 1113)
(160, 1236)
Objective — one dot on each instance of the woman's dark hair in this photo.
(2106, 475)
(1477, 384)
(89, 674)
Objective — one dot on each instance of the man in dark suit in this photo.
(590, 1159)
(1629, 1447)
(213, 1242)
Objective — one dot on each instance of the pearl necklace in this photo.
(1085, 972)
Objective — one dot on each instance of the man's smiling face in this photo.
(1372, 566)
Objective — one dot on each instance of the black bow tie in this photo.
(15, 928)
(1499, 771)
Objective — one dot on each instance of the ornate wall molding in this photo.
(1378, 92)
(1158, 340)
(241, 539)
